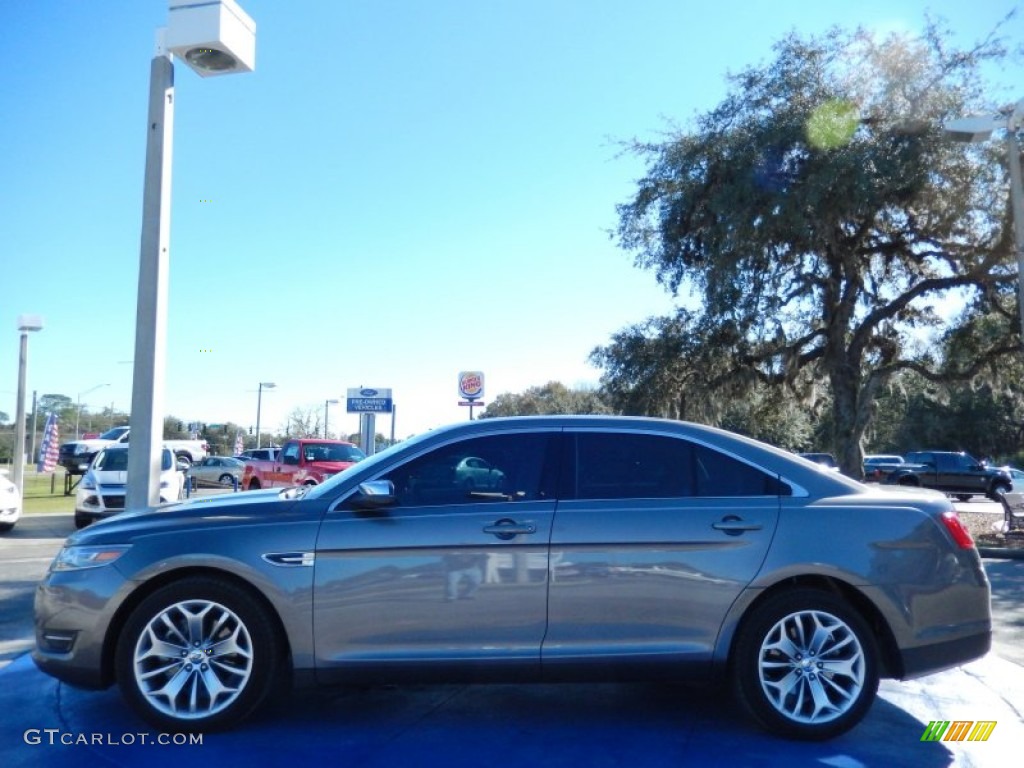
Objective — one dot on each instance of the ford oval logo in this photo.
(368, 392)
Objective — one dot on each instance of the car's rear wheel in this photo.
(805, 665)
(963, 497)
(254, 485)
(910, 480)
(197, 655)
(225, 479)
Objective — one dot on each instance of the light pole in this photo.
(26, 324)
(215, 37)
(259, 406)
(326, 404)
(980, 128)
(78, 416)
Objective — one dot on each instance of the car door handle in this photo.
(734, 525)
(507, 528)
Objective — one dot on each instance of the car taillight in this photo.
(957, 530)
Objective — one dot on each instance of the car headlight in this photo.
(88, 482)
(74, 557)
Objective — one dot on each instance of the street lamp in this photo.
(259, 406)
(327, 403)
(26, 324)
(979, 128)
(215, 37)
(78, 417)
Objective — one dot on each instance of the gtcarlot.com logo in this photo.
(959, 730)
(57, 737)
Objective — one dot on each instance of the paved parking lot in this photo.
(45, 723)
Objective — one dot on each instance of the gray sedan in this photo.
(216, 470)
(612, 548)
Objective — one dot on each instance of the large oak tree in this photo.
(816, 218)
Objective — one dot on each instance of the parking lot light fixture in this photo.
(78, 415)
(26, 324)
(979, 128)
(259, 406)
(326, 404)
(211, 37)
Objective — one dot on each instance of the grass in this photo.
(38, 496)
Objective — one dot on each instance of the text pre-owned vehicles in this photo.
(301, 462)
(101, 492)
(610, 548)
(957, 474)
(76, 455)
(10, 503)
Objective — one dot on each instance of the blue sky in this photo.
(400, 191)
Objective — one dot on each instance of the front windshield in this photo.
(113, 434)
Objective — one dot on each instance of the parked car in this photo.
(101, 492)
(258, 454)
(302, 461)
(75, 456)
(10, 503)
(878, 465)
(614, 548)
(957, 474)
(216, 470)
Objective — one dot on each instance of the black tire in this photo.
(910, 480)
(244, 645)
(5, 527)
(81, 521)
(254, 485)
(225, 479)
(775, 685)
(963, 497)
(184, 457)
(998, 489)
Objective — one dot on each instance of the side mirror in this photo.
(374, 494)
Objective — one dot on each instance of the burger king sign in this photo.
(471, 385)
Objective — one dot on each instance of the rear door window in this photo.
(636, 465)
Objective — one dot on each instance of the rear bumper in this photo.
(936, 657)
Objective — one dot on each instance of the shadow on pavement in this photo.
(640, 726)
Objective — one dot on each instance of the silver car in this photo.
(609, 548)
(216, 470)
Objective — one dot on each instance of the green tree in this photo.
(551, 398)
(818, 214)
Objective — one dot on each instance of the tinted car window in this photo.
(618, 466)
(495, 468)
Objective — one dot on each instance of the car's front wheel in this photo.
(805, 665)
(998, 491)
(197, 655)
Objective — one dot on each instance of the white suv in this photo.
(102, 491)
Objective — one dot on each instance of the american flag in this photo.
(239, 443)
(50, 448)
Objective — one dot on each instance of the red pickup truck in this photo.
(301, 462)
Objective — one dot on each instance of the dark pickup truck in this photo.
(956, 474)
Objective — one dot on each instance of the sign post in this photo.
(367, 402)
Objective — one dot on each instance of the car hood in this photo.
(240, 506)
